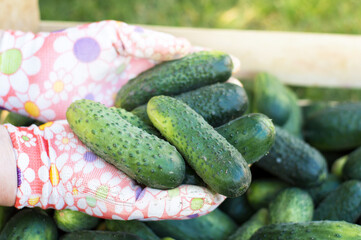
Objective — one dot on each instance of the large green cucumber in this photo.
(237, 208)
(258, 220)
(291, 205)
(137, 228)
(142, 156)
(318, 193)
(343, 204)
(71, 221)
(99, 235)
(294, 161)
(335, 128)
(214, 159)
(263, 191)
(352, 167)
(174, 77)
(252, 135)
(213, 226)
(217, 104)
(317, 230)
(30, 224)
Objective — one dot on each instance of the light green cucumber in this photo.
(174, 77)
(258, 220)
(142, 156)
(71, 221)
(291, 205)
(214, 159)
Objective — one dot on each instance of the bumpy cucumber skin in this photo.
(71, 221)
(214, 159)
(263, 191)
(291, 205)
(136, 121)
(343, 204)
(174, 77)
(252, 135)
(335, 128)
(294, 161)
(352, 167)
(258, 220)
(142, 156)
(213, 226)
(99, 235)
(217, 104)
(30, 224)
(318, 230)
(237, 208)
(318, 193)
(137, 228)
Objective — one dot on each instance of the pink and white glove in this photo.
(55, 170)
(41, 74)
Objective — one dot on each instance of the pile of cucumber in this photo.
(289, 172)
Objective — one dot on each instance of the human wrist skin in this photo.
(8, 173)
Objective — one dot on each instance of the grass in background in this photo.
(333, 16)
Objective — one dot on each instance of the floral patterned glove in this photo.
(41, 74)
(55, 170)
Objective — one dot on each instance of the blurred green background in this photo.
(334, 16)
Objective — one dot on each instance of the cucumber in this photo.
(217, 104)
(237, 208)
(142, 156)
(317, 230)
(278, 102)
(352, 167)
(191, 177)
(318, 193)
(137, 228)
(213, 226)
(5, 214)
(263, 191)
(335, 128)
(214, 159)
(343, 204)
(71, 221)
(258, 220)
(99, 235)
(16, 119)
(174, 77)
(252, 135)
(291, 205)
(30, 224)
(294, 161)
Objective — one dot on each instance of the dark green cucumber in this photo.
(30, 224)
(318, 193)
(5, 214)
(294, 161)
(191, 177)
(99, 235)
(217, 104)
(142, 156)
(237, 208)
(263, 191)
(71, 221)
(318, 230)
(278, 102)
(136, 121)
(137, 228)
(335, 128)
(16, 119)
(214, 159)
(352, 167)
(174, 77)
(213, 226)
(252, 135)
(291, 205)
(258, 220)
(343, 204)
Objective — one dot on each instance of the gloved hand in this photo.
(41, 74)
(55, 170)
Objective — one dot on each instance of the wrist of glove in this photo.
(55, 170)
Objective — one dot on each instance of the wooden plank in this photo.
(305, 59)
